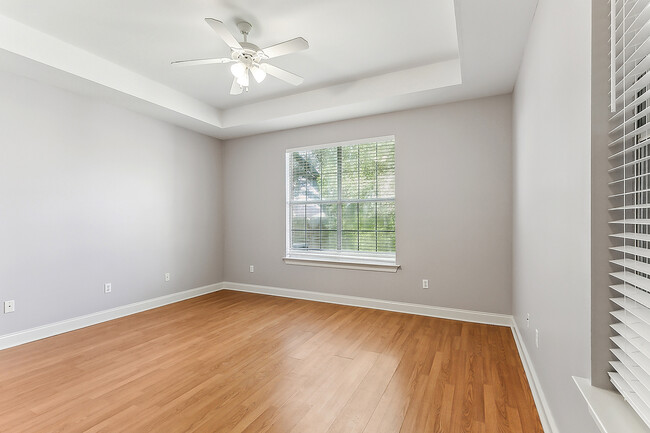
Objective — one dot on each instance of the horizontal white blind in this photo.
(341, 200)
(630, 201)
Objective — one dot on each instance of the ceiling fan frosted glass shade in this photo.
(238, 69)
(244, 81)
(258, 73)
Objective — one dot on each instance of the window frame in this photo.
(384, 262)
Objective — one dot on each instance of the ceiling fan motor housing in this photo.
(249, 54)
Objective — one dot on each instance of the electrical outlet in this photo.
(425, 284)
(537, 338)
(528, 320)
(168, 276)
(10, 306)
(251, 268)
(107, 288)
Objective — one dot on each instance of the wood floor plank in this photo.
(363, 402)
(232, 362)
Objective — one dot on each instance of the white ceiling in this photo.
(365, 56)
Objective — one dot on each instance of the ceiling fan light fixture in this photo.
(258, 73)
(247, 57)
(238, 69)
(244, 80)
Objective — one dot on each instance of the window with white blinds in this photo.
(630, 201)
(341, 201)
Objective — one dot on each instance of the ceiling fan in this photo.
(249, 59)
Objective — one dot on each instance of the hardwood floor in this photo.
(238, 362)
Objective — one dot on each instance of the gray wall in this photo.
(551, 204)
(453, 198)
(600, 229)
(90, 193)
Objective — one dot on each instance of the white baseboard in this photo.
(379, 304)
(28, 335)
(33, 334)
(40, 332)
(544, 410)
(546, 418)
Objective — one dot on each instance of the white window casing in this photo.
(340, 205)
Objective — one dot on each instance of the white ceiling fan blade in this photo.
(201, 62)
(236, 89)
(286, 47)
(221, 29)
(282, 74)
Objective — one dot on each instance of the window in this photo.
(630, 205)
(341, 203)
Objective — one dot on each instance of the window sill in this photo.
(341, 264)
(609, 410)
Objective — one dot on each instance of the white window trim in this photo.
(609, 409)
(343, 143)
(324, 261)
(334, 259)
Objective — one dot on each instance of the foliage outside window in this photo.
(341, 200)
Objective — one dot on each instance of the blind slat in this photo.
(627, 151)
(631, 397)
(627, 193)
(633, 367)
(632, 221)
(636, 251)
(631, 207)
(634, 383)
(636, 314)
(634, 357)
(631, 236)
(633, 279)
(630, 119)
(634, 265)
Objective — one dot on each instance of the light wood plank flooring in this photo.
(238, 362)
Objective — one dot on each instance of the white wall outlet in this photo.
(168, 276)
(528, 320)
(107, 288)
(425, 284)
(537, 338)
(251, 268)
(10, 306)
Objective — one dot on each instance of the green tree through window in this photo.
(341, 198)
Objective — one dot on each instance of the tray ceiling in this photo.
(365, 56)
